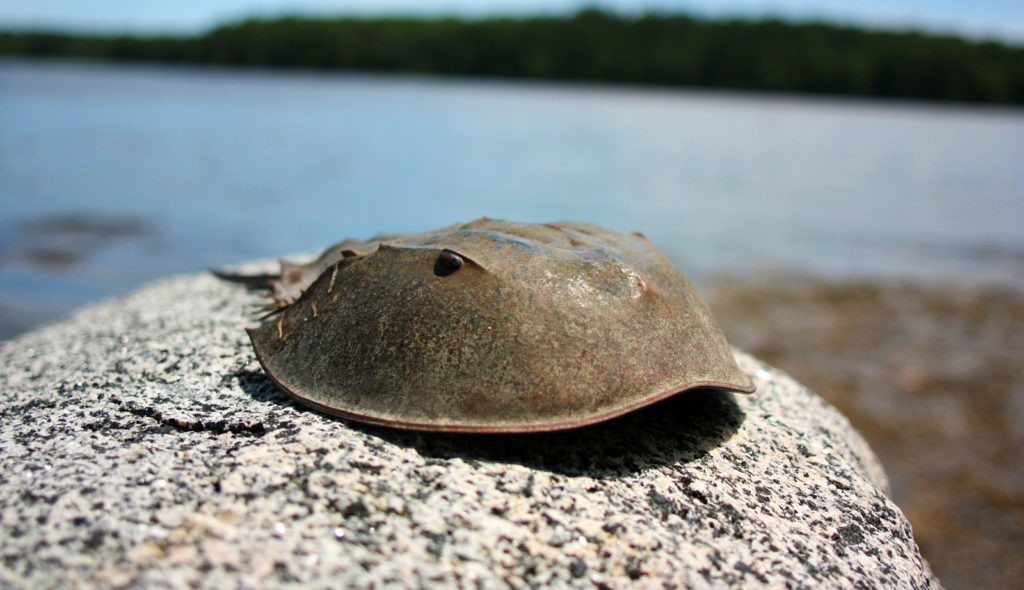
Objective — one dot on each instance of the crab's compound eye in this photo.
(447, 262)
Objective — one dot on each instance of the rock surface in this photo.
(141, 445)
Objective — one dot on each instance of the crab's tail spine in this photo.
(252, 281)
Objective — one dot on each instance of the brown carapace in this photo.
(490, 326)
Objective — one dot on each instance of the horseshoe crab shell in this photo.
(491, 326)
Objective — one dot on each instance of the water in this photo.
(111, 175)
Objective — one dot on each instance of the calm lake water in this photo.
(111, 175)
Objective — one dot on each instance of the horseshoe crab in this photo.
(490, 326)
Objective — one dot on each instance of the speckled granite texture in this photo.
(141, 445)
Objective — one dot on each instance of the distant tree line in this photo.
(592, 45)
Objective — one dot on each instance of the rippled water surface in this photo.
(112, 175)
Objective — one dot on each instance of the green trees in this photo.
(658, 49)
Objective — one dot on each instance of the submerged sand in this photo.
(933, 376)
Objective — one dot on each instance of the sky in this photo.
(999, 19)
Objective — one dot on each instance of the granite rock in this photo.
(141, 445)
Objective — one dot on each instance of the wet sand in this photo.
(933, 376)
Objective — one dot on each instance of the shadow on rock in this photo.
(678, 430)
(260, 388)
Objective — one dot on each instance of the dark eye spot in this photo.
(447, 262)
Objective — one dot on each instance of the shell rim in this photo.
(510, 428)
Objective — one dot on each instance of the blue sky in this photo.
(980, 18)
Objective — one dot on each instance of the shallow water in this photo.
(932, 377)
(210, 167)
